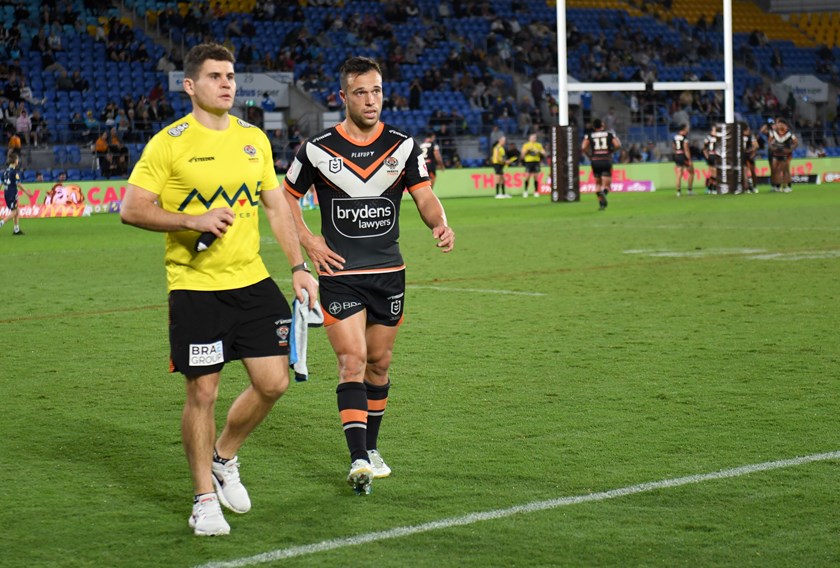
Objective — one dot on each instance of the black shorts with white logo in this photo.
(208, 329)
(382, 294)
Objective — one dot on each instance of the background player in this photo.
(750, 150)
(360, 169)
(710, 153)
(682, 159)
(781, 143)
(432, 156)
(11, 188)
(599, 146)
(532, 156)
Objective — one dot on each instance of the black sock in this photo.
(377, 397)
(218, 459)
(353, 409)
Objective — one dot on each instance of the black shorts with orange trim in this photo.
(208, 329)
(381, 294)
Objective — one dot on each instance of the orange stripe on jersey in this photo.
(291, 190)
(346, 135)
(420, 185)
(353, 415)
(365, 173)
(376, 405)
(364, 271)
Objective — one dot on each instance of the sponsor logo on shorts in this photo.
(206, 354)
(283, 330)
(396, 304)
(336, 308)
(364, 217)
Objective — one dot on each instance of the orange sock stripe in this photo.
(377, 405)
(353, 415)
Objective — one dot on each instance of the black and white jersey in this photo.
(360, 187)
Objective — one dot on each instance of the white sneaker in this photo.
(230, 490)
(380, 468)
(360, 476)
(525, 194)
(499, 196)
(207, 518)
(787, 189)
(507, 196)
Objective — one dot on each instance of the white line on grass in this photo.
(474, 290)
(398, 532)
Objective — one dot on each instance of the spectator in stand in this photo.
(49, 63)
(40, 133)
(64, 82)
(78, 131)
(26, 94)
(15, 143)
(23, 126)
(164, 64)
(415, 94)
(54, 40)
(80, 84)
(39, 41)
(157, 92)
(267, 103)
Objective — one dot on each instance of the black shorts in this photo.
(601, 168)
(499, 169)
(381, 294)
(208, 329)
(681, 161)
(431, 166)
(532, 167)
(11, 197)
(712, 161)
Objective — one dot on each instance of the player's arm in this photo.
(616, 142)
(140, 208)
(687, 152)
(585, 148)
(432, 213)
(439, 158)
(26, 191)
(283, 226)
(324, 259)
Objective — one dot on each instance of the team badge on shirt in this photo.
(250, 150)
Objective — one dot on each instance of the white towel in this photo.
(302, 319)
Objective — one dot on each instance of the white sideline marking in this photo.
(474, 290)
(398, 532)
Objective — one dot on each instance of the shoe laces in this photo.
(375, 459)
(207, 508)
(230, 472)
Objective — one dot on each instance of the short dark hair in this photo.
(357, 66)
(200, 53)
(596, 124)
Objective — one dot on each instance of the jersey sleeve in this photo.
(416, 172)
(269, 176)
(301, 173)
(154, 167)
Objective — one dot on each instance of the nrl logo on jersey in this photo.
(178, 129)
(335, 165)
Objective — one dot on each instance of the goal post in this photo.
(565, 147)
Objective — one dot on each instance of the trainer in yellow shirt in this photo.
(206, 175)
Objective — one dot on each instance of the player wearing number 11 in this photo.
(599, 145)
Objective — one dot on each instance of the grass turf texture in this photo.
(686, 356)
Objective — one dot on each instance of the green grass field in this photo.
(558, 352)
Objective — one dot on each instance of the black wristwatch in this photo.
(302, 266)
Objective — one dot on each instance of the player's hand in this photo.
(324, 259)
(445, 236)
(302, 280)
(215, 221)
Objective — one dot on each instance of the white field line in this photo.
(473, 290)
(333, 544)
